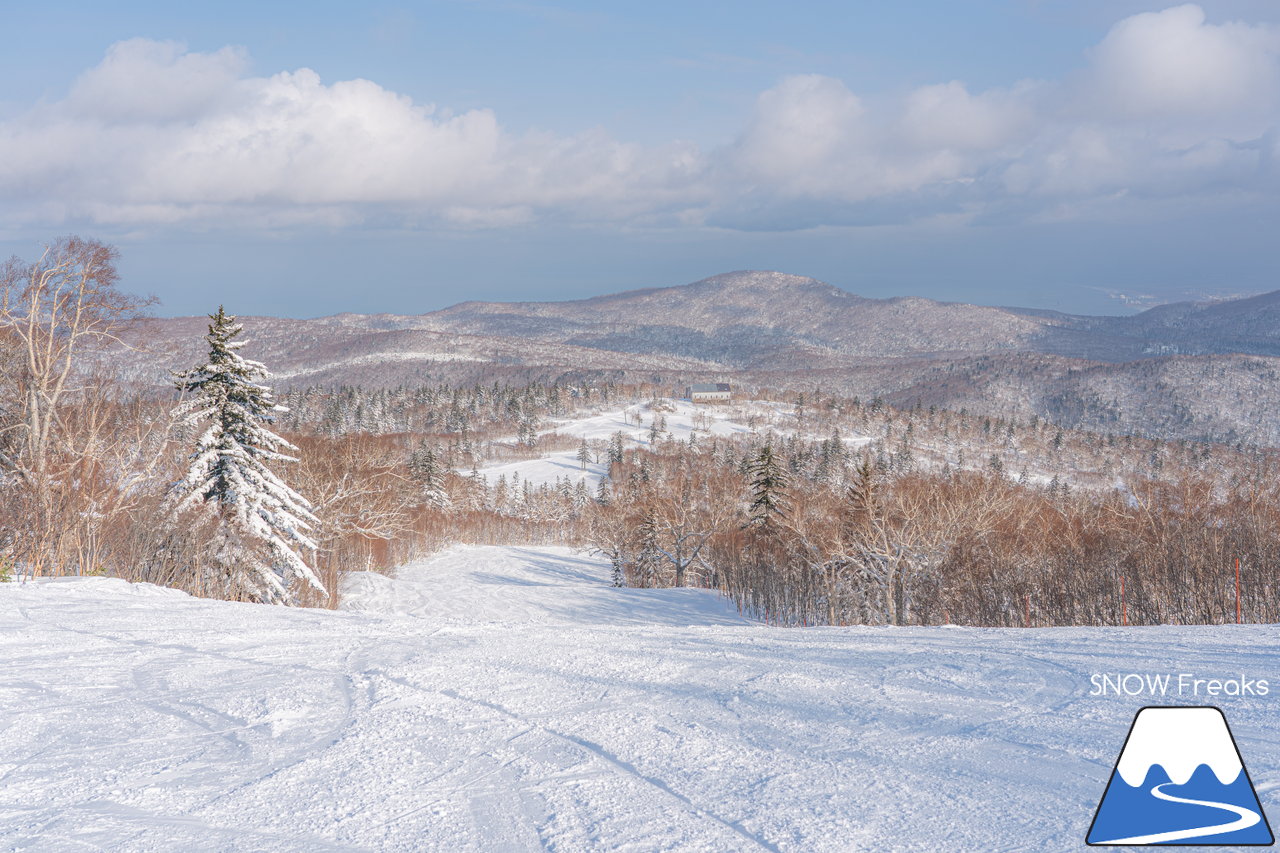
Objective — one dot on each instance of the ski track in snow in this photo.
(503, 698)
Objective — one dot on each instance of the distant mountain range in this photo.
(1186, 370)
(746, 318)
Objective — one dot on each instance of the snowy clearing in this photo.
(684, 419)
(508, 699)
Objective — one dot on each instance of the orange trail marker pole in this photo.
(1124, 607)
(1237, 590)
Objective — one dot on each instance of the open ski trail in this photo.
(683, 421)
(680, 420)
(509, 699)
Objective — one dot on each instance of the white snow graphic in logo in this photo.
(1180, 780)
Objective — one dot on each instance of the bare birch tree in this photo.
(60, 309)
(56, 314)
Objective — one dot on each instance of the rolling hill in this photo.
(1187, 370)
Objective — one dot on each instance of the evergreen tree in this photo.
(649, 556)
(584, 454)
(768, 488)
(478, 490)
(615, 449)
(836, 445)
(426, 471)
(862, 497)
(656, 428)
(261, 522)
(527, 431)
(500, 494)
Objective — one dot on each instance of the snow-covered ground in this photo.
(508, 699)
(528, 586)
(634, 422)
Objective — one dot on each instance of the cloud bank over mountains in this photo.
(1168, 111)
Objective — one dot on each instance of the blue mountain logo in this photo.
(1180, 780)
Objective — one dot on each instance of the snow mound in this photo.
(93, 585)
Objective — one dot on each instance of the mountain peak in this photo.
(764, 280)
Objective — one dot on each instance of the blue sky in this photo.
(309, 159)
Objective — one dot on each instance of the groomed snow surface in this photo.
(509, 699)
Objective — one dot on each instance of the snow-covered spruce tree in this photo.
(648, 562)
(261, 523)
(768, 488)
(427, 472)
(477, 498)
(657, 428)
(615, 449)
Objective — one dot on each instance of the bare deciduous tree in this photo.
(57, 312)
(686, 518)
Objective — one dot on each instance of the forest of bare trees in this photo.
(962, 547)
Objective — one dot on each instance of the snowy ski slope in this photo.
(531, 586)
(508, 699)
(683, 419)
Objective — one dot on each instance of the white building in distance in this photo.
(710, 392)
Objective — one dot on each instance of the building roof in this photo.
(708, 387)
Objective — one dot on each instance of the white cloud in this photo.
(158, 134)
(1168, 105)
(811, 137)
(1173, 65)
(947, 116)
(143, 80)
(801, 128)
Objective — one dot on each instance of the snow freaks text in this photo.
(1174, 684)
